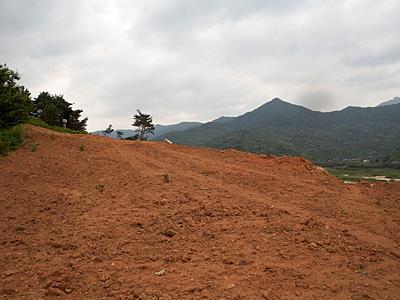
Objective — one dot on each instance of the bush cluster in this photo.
(11, 138)
(16, 107)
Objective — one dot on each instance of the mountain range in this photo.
(158, 131)
(281, 128)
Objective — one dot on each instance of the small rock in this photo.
(346, 232)
(227, 261)
(67, 291)
(104, 277)
(230, 286)
(166, 178)
(268, 269)
(313, 245)
(160, 273)
(169, 233)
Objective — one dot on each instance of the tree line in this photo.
(16, 105)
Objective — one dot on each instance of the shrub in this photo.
(15, 102)
(100, 187)
(34, 147)
(11, 138)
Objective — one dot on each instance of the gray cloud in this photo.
(197, 60)
(387, 56)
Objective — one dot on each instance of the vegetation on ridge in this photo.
(55, 111)
(40, 123)
(16, 107)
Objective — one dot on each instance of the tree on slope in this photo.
(108, 130)
(54, 108)
(15, 102)
(144, 124)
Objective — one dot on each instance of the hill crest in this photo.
(140, 219)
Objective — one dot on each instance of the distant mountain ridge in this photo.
(158, 131)
(182, 126)
(395, 100)
(279, 127)
(125, 133)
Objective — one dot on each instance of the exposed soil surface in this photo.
(147, 220)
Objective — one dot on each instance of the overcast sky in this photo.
(196, 60)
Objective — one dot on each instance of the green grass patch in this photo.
(355, 174)
(19, 229)
(11, 138)
(100, 187)
(34, 147)
(40, 123)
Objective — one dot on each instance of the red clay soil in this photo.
(147, 220)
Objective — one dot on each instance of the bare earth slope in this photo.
(177, 222)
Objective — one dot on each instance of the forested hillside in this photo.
(278, 127)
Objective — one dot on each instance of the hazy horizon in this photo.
(206, 121)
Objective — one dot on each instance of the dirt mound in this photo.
(87, 217)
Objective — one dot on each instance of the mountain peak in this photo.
(276, 100)
(395, 100)
(279, 101)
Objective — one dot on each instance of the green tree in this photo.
(15, 102)
(144, 124)
(54, 108)
(108, 130)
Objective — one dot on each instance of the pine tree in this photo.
(108, 130)
(144, 123)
